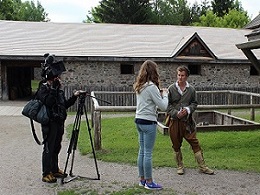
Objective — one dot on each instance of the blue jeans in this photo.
(147, 135)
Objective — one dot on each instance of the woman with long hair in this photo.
(149, 98)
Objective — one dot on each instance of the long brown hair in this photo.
(148, 72)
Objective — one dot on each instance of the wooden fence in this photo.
(205, 96)
(208, 100)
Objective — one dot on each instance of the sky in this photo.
(75, 11)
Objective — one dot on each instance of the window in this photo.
(127, 68)
(253, 71)
(194, 69)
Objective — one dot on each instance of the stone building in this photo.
(108, 56)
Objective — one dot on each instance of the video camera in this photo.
(51, 68)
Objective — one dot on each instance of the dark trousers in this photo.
(54, 132)
(178, 131)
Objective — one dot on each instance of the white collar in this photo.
(179, 89)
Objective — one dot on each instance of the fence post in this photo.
(92, 113)
(252, 110)
(97, 130)
(229, 101)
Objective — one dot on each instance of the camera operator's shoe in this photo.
(60, 174)
(49, 178)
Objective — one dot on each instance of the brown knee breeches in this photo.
(177, 131)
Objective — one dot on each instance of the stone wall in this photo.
(107, 74)
(104, 74)
(0, 80)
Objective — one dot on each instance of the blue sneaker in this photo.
(142, 183)
(153, 186)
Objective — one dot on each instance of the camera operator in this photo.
(51, 94)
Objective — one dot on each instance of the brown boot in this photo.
(180, 167)
(49, 178)
(60, 174)
(203, 168)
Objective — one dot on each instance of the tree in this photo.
(121, 11)
(198, 10)
(6, 9)
(167, 12)
(170, 12)
(174, 12)
(222, 7)
(31, 12)
(22, 11)
(234, 19)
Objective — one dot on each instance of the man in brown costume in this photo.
(182, 103)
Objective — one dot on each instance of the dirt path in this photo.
(20, 168)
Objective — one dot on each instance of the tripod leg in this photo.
(73, 143)
(76, 127)
(74, 149)
(91, 142)
(74, 138)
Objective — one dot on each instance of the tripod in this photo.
(74, 140)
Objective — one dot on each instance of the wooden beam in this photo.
(249, 54)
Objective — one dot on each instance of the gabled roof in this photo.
(195, 48)
(19, 38)
(255, 23)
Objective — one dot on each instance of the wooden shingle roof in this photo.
(19, 38)
(255, 23)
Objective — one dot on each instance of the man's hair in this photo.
(184, 68)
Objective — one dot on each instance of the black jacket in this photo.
(55, 101)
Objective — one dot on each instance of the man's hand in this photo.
(182, 113)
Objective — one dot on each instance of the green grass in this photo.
(222, 150)
(34, 84)
(136, 190)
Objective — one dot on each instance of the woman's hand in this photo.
(164, 92)
(78, 92)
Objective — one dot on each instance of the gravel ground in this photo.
(20, 168)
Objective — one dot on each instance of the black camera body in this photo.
(51, 68)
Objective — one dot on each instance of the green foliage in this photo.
(229, 14)
(222, 150)
(30, 12)
(234, 19)
(6, 9)
(173, 12)
(221, 8)
(121, 11)
(22, 11)
(210, 20)
(198, 10)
